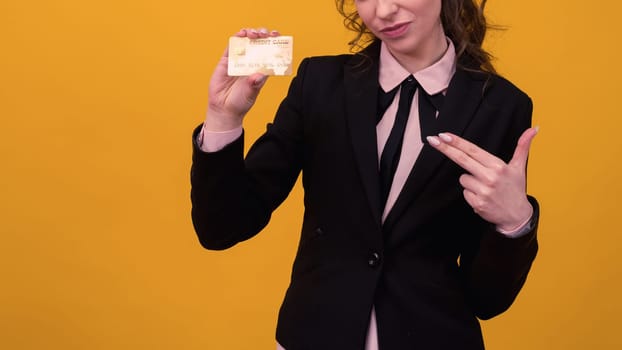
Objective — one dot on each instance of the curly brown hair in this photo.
(463, 21)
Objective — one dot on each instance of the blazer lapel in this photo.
(463, 97)
(361, 94)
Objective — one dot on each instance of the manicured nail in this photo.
(445, 137)
(433, 140)
(263, 31)
(254, 31)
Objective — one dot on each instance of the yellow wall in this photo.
(97, 102)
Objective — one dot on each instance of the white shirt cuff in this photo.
(214, 141)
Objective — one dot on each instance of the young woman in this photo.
(413, 155)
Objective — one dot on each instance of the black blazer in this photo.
(430, 270)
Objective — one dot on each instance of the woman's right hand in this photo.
(230, 98)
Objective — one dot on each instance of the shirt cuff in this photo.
(520, 231)
(214, 141)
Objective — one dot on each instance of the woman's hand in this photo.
(230, 98)
(495, 190)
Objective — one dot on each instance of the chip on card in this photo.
(270, 56)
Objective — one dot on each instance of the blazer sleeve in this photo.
(233, 197)
(495, 267)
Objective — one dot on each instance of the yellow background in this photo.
(97, 103)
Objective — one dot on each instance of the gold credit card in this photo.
(270, 56)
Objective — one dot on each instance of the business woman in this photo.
(413, 156)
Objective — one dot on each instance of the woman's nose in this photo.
(386, 8)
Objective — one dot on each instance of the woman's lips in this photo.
(395, 31)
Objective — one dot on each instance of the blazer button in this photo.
(319, 231)
(373, 260)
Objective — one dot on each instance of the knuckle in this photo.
(492, 179)
(471, 149)
(461, 158)
(502, 169)
(462, 179)
(486, 193)
(477, 207)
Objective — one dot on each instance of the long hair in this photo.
(463, 21)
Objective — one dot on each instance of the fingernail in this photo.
(433, 140)
(254, 31)
(537, 128)
(445, 137)
(261, 80)
(274, 32)
(263, 31)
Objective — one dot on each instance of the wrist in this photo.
(219, 122)
(518, 223)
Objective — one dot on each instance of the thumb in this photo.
(522, 147)
(258, 80)
(251, 87)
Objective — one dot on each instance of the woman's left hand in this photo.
(495, 190)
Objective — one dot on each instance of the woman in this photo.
(410, 233)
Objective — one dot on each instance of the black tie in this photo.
(428, 105)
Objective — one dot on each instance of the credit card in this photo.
(270, 56)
